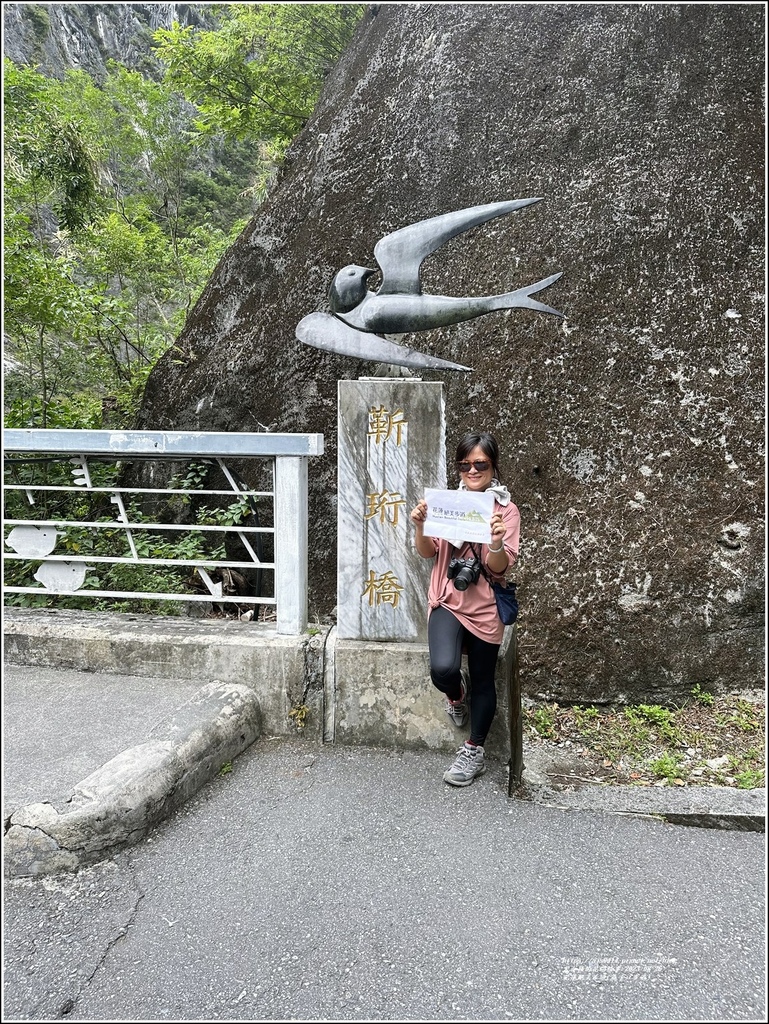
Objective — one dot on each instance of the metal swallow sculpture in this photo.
(399, 306)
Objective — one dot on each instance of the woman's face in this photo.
(477, 479)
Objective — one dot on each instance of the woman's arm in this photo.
(505, 532)
(424, 545)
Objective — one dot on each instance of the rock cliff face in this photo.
(56, 37)
(631, 433)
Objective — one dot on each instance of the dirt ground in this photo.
(710, 741)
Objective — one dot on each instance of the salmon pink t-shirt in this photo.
(476, 607)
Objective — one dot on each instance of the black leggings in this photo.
(446, 637)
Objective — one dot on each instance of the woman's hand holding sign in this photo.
(424, 545)
(419, 511)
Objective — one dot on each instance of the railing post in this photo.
(291, 543)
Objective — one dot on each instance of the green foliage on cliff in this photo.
(121, 197)
(106, 248)
(46, 155)
(259, 74)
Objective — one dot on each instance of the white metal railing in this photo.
(34, 535)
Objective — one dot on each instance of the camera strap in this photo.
(477, 555)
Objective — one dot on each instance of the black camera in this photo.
(464, 571)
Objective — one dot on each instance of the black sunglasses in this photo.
(480, 464)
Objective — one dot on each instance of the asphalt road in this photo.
(337, 883)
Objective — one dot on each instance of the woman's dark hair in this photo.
(488, 445)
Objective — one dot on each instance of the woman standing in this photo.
(467, 618)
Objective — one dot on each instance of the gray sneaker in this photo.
(468, 764)
(458, 710)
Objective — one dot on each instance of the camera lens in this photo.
(463, 577)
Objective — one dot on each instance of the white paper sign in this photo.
(459, 515)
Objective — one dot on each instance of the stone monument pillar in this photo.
(391, 446)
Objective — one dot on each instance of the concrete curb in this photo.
(353, 692)
(718, 807)
(119, 802)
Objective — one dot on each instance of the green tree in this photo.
(46, 160)
(259, 74)
(50, 179)
(104, 252)
(120, 198)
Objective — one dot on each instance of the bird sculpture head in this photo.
(349, 288)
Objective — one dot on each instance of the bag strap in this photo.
(491, 583)
(483, 569)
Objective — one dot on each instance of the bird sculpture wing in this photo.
(400, 253)
(332, 335)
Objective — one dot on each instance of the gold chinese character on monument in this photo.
(385, 589)
(379, 503)
(382, 422)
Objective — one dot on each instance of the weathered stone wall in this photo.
(631, 432)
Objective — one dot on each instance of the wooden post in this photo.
(515, 715)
